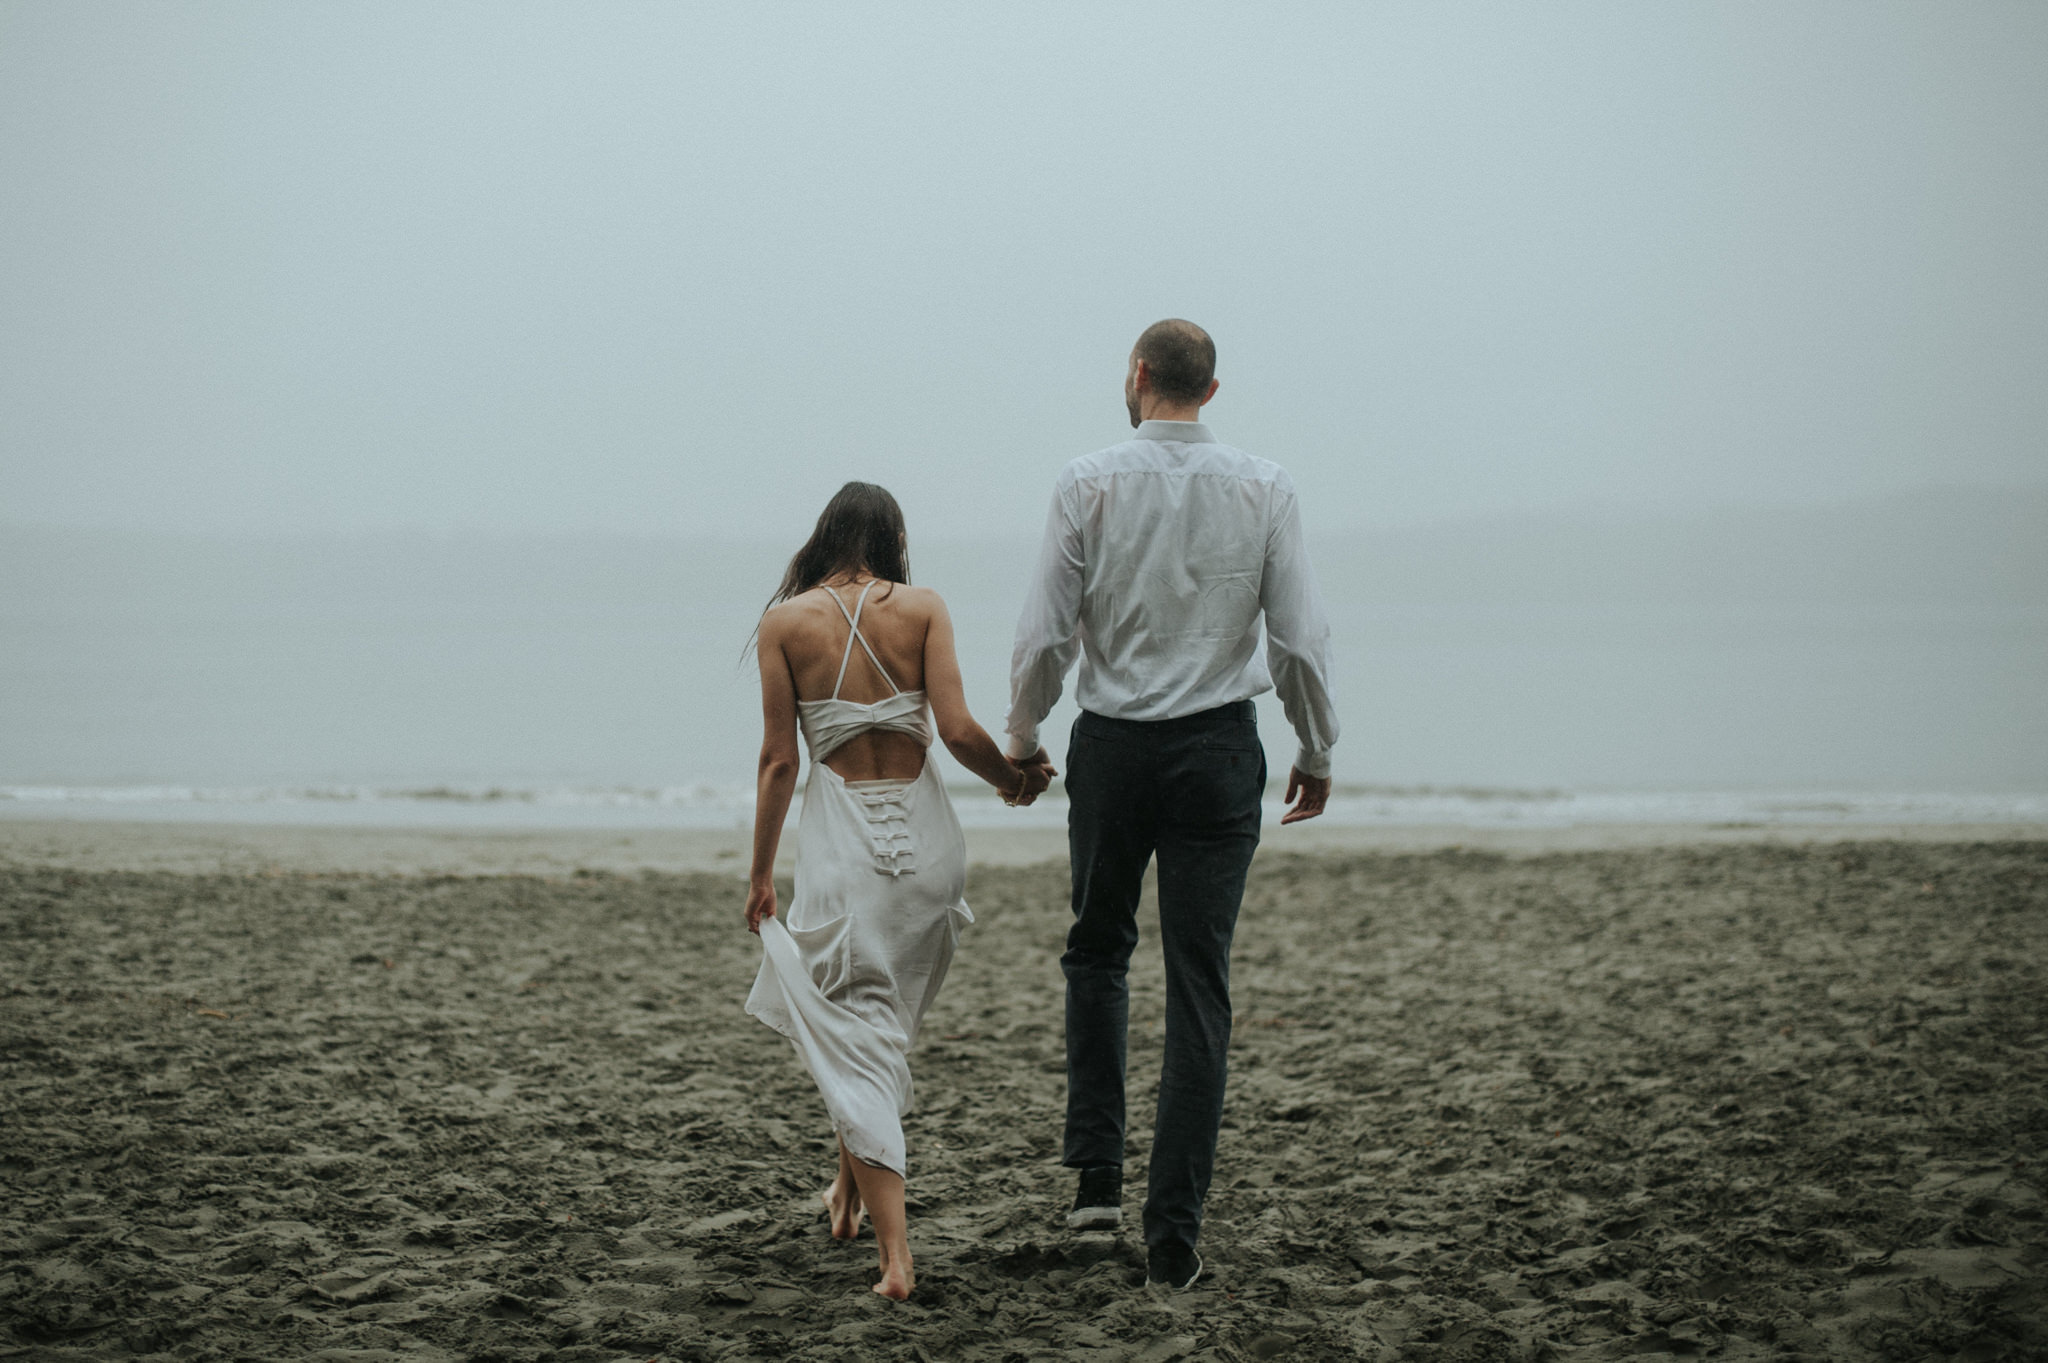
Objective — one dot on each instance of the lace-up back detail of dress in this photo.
(828, 724)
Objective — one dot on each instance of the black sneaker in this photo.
(1098, 1205)
(1173, 1265)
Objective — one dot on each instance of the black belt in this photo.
(1236, 712)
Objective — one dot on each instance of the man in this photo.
(1160, 556)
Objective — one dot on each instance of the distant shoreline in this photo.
(213, 848)
(718, 808)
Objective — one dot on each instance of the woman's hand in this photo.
(760, 904)
(1035, 773)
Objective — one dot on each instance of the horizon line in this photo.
(1600, 511)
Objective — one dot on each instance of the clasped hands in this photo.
(1038, 772)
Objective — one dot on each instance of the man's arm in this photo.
(1048, 632)
(1298, 655)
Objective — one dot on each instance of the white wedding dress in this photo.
(869, 934)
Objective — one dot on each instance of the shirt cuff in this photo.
(1021, 748)
(1315, 764)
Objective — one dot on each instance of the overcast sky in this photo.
(684, 268)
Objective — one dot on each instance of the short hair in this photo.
(1180, 357)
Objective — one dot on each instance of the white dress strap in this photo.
(853, 632)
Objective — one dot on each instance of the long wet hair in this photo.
(860, 530)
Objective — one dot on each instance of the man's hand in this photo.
(1313, 790)
(1038, 773)
(1036, 779)
(760, 905)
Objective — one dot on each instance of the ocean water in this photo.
(1881, 661)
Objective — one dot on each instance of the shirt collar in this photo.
(1178, 432)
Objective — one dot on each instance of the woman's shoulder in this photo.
(898, 597)
(921, 604)
(788, 614)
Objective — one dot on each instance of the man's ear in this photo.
(1214, 384)
(1141, 377)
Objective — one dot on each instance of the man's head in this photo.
(1173, 370)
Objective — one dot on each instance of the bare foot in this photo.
(843, 1208)
(896, 1282)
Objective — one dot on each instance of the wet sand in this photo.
(1751, 1100)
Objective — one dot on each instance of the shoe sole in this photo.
(1095, 1218)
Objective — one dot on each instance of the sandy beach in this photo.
(335, 1094)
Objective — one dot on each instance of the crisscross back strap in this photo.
(853, 632)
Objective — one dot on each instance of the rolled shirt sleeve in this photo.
(1048, 631)
(1298, 638)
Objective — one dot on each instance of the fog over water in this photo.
(426, 396)
(1882, 646)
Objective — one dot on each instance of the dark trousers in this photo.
(1187, 789)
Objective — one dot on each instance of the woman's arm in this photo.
(965, 739)
(775, 779)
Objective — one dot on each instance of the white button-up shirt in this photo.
(1160, 555)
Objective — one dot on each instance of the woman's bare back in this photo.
(894, 620)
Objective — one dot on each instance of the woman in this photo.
(851, 653)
